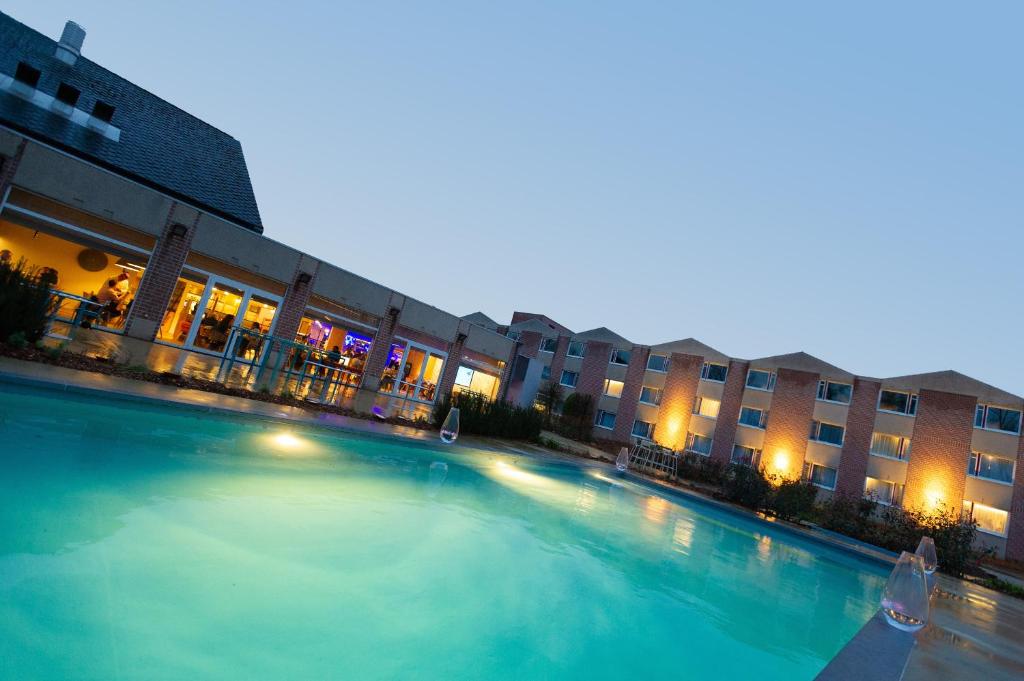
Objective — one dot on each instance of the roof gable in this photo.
(480, 319)
(950, 381)
(603, 335)
(801, 361)
(690, 346)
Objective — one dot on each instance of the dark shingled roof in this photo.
(161, 146)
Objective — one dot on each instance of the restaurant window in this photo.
(990, 467)
(658, 363)
(745, 456)
(548, 344)
(613, 388)
(884, 492)
(412, 371)
(339, 343)
(990, 520)
(181, 310)
(830, 391)
(890, 446)
(577, 349)
(218, 318)
(828, 433)
(820, 476)
(475, 381)
(760, 379)
(569, 378)
(755, 418)
(705, 406)
(698, 444)
(714, 372)
(642, 429)
(605, 419)
(620, 357)
(649, 395)
(1001, 419)
(897, 402)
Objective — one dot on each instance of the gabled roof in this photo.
(519, 317)
(604, 335)
(160, 145)
(801, 361)
(538, 325)
(950, 381)
(690, 346)
(480, 319)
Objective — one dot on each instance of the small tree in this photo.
(26, 302)
(578, 412)
(550, 398)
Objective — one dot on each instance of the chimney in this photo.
(70, 45)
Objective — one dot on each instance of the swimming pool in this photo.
(144, 542)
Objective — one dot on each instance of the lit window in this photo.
(820, 476)
(714, 372)
(649, 395)
(829, 391)
(706, 406)
(997, 418)
(755, 418)
(605, 419)
(829, 433)
(569, 378)
(612, 388)
(759, 379)
(884, 492)
(545, 373)
(698, 444)
(643, 429)
(745, 456)
(990, 467)
(620, 357)
(897, 402)
(657, 363)
(890, 446)
(548, 344)
(577, 349)
(990, 520)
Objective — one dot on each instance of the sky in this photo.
(765, 177)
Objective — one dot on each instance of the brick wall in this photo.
(451, 366)
(789, 423)
(293, 307)
(558, 359)
(380, 347)
(729, 411)
(1015, 532)
(593, 370)
(633, 384)
(527, 346)
(161, 276)
(940, 447)
(860, 424)
(677, 399)
(10, 166)
(504, 380)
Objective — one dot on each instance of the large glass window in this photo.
(897, 402)
(649, 395)
(613, 388)
(344, 347)
(181, 311)
(643, 429)
(755, 418)
(475, 381)
(698, 444)
(620, 357)
(714, 372)
(820, 476)
(548, 344)
(706, 406)
(218, 318)
(828, 433)
(997, 418)
(745, 456)
(760, 379)
(884, 492)
(569, 378)
(989, 519)
(830, 391)
(605, 419)
(576, 349)
(412, 372)
(890, 446)
(990, 467)
(657, 363)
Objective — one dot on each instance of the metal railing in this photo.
(652, 458)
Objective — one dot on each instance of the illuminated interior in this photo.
(475, 381)
(412, 371)
(181, 310)
(344, 347)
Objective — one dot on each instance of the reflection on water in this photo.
(241, 549)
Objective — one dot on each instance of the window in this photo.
(577, 349)
(890, 446)
(658, 363)
(705, 406)
(897, 402)
(545, 373)
(548, 344)
(755, 418)
(29, 75)
(612, 388)
(759, 379)
(990, 467)
(620, 357)
(698, 444)
(103, 111)
(569, 378)
(997, 418)
(514, 335)
(829, 433)
(643, 429)
(649, 395)
(835, 392)
(990, 520)
(820, 476)
(714, 372)
(745, 456)
(605, 419)
(883, 491)
(67, 94)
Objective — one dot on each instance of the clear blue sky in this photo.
(766, 177)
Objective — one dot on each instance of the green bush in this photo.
(480, 416)
(847, 515)
(26, 302)
(794, 500)
(700, 469)
(550, 398)
(746, 486)
(578, 415)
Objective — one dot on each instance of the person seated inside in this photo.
(219, 332)
(113, 292)
(249, 341)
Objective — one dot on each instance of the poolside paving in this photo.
(974, 632)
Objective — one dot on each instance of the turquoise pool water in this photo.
(138, 542)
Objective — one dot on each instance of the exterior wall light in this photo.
(179, 230)
(304, 278)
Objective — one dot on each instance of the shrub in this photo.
(26, 303)
(847, 515)
(700, 469)
(578, 415)
(794, 500)
(480, 416)
(746, 486)
(550, 398)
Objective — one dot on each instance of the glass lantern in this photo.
(926, 549)
(450, 427)
(905, 597)
(622, 460)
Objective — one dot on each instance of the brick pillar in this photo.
(10, 166)
(161, 276)
(558, 360)
(729, 411)
(677, 399)
(451, 366)
(860, 424)
(1015, 532)
(789, 426)
(593, 370)
(380, 347)
(633, 384)
(941, 445)
(289, 317)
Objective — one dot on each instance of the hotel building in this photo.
(145, 218)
